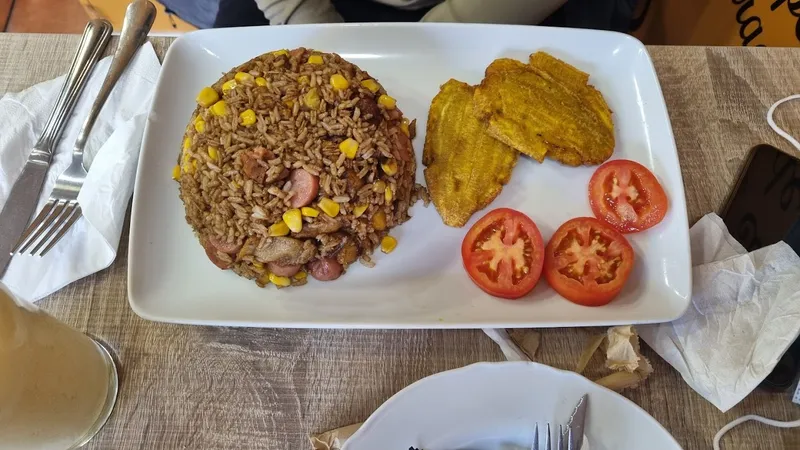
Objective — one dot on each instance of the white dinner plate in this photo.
(490, 406)
(422, 284)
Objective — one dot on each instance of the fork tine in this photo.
(535, 437)
(547, 444)
(58, 207)
(577, 445)
(75, 214)
(69, 207)
(560, 439)
(46, 230)
(35, 224)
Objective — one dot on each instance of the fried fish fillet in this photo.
(465, 167)
(545, 108)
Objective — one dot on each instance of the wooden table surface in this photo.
(192, 387)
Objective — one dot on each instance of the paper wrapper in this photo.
(624, 358)
(333, 439)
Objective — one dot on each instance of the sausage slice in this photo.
(305, 187)
(325, 269)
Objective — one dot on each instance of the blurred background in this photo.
(673, 22)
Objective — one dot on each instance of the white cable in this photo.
(741, 420)
(778, 129)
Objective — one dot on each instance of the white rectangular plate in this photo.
(422, 284)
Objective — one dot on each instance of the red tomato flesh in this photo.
(503, 253)
(627, 196)
(587, 261)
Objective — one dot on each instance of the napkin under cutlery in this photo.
(111, 154)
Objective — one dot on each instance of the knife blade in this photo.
(24, 195)
(576, 423)
(19, 207)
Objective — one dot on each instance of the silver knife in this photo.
(575, 426)
(24, 196)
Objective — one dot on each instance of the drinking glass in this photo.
(58, 386)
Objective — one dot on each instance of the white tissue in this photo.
(744, 315)
(112, 152)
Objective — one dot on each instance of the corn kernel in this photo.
(187, 165)
(280, 281)
(243, 77)
(349, 147)
(329, 207)
(309, 211)
(371, 85)
(261, 81)
(339, 82)
(359, 210)
(388, 194)
(176, 172)
(258, 264)
(263, 280)
(389, 167)
(388, 244)
(303, 79)
(379, 220)
(312, 99)
(404, 126)
(187, 143)
(293, 219)
(218, 109)
(379, 186)
(213, 153)
(200, 126)
(248, 117)
(206, 97)
(315, 59)
(300, 276)
(280, 52)
(228, 85)
(279, 229)
(289, 103)
(387, 102)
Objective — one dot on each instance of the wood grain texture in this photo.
(226, 388)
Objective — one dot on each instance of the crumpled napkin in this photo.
(111, 153)
(744, 315)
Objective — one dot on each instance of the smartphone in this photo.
(762, 209)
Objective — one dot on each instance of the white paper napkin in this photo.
(744, 315)
(111, 153)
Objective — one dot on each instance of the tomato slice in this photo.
(627, 195)
(503, 253)
(587, 261)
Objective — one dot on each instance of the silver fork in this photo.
(62, 209)
(561, 444)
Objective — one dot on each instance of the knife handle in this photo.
(139, 19)
(93, 43)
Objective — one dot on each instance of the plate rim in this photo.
(139, 307)
(512, 365)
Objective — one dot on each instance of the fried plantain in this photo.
(505, 65)
(545, 108)
(465, 167)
